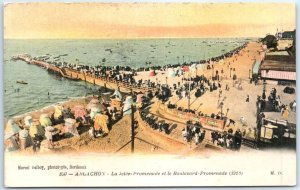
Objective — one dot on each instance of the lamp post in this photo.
(264, 90)
(227, 112)
(221, 105)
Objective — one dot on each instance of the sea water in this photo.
(20, 98)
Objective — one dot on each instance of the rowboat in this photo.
(21, 82)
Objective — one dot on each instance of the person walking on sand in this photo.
(293, 106)
(247, 99)
(285, 113)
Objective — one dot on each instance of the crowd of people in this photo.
(228, 139)
(193, 130)
(154, 122)
(125, 73)
(277, 105)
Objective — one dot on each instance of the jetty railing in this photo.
(87, 77)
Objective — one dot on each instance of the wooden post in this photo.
(132, 129)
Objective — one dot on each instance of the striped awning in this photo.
(283, 75)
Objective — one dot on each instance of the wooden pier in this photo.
(76, 75)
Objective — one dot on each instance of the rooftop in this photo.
(280, 56)
(278, 65)
(277, 53)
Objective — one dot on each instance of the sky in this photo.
(145, 20)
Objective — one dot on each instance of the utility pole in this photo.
(132, 129)
(221, 109)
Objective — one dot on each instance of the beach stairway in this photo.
(63, 73)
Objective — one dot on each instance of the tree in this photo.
(270, 41)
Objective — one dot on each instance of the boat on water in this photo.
(22, 82)
(109, 50)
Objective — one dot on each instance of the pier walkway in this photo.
(76, 75)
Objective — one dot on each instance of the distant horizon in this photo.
(145, 20)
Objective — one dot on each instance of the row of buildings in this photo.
(278, 64)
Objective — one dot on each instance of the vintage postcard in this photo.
(149, 94)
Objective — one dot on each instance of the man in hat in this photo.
(238, 139)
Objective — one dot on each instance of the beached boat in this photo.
(21, 82)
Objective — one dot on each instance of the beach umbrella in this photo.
(105, 97)
(139, 98)
(117, 94)
(127, 105)
(185, 68)
(179, 71)
(11, 129)
(94, 111)
(116, 103)
(101, 121)
(28, 121)
(36, 129)
(171, 73)
(70, 126)
(93, 103)
(45, 120)
(57, 111)
(69, 122)
(152, 73)
(79, 111)
(23, 133)
(192, 67)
